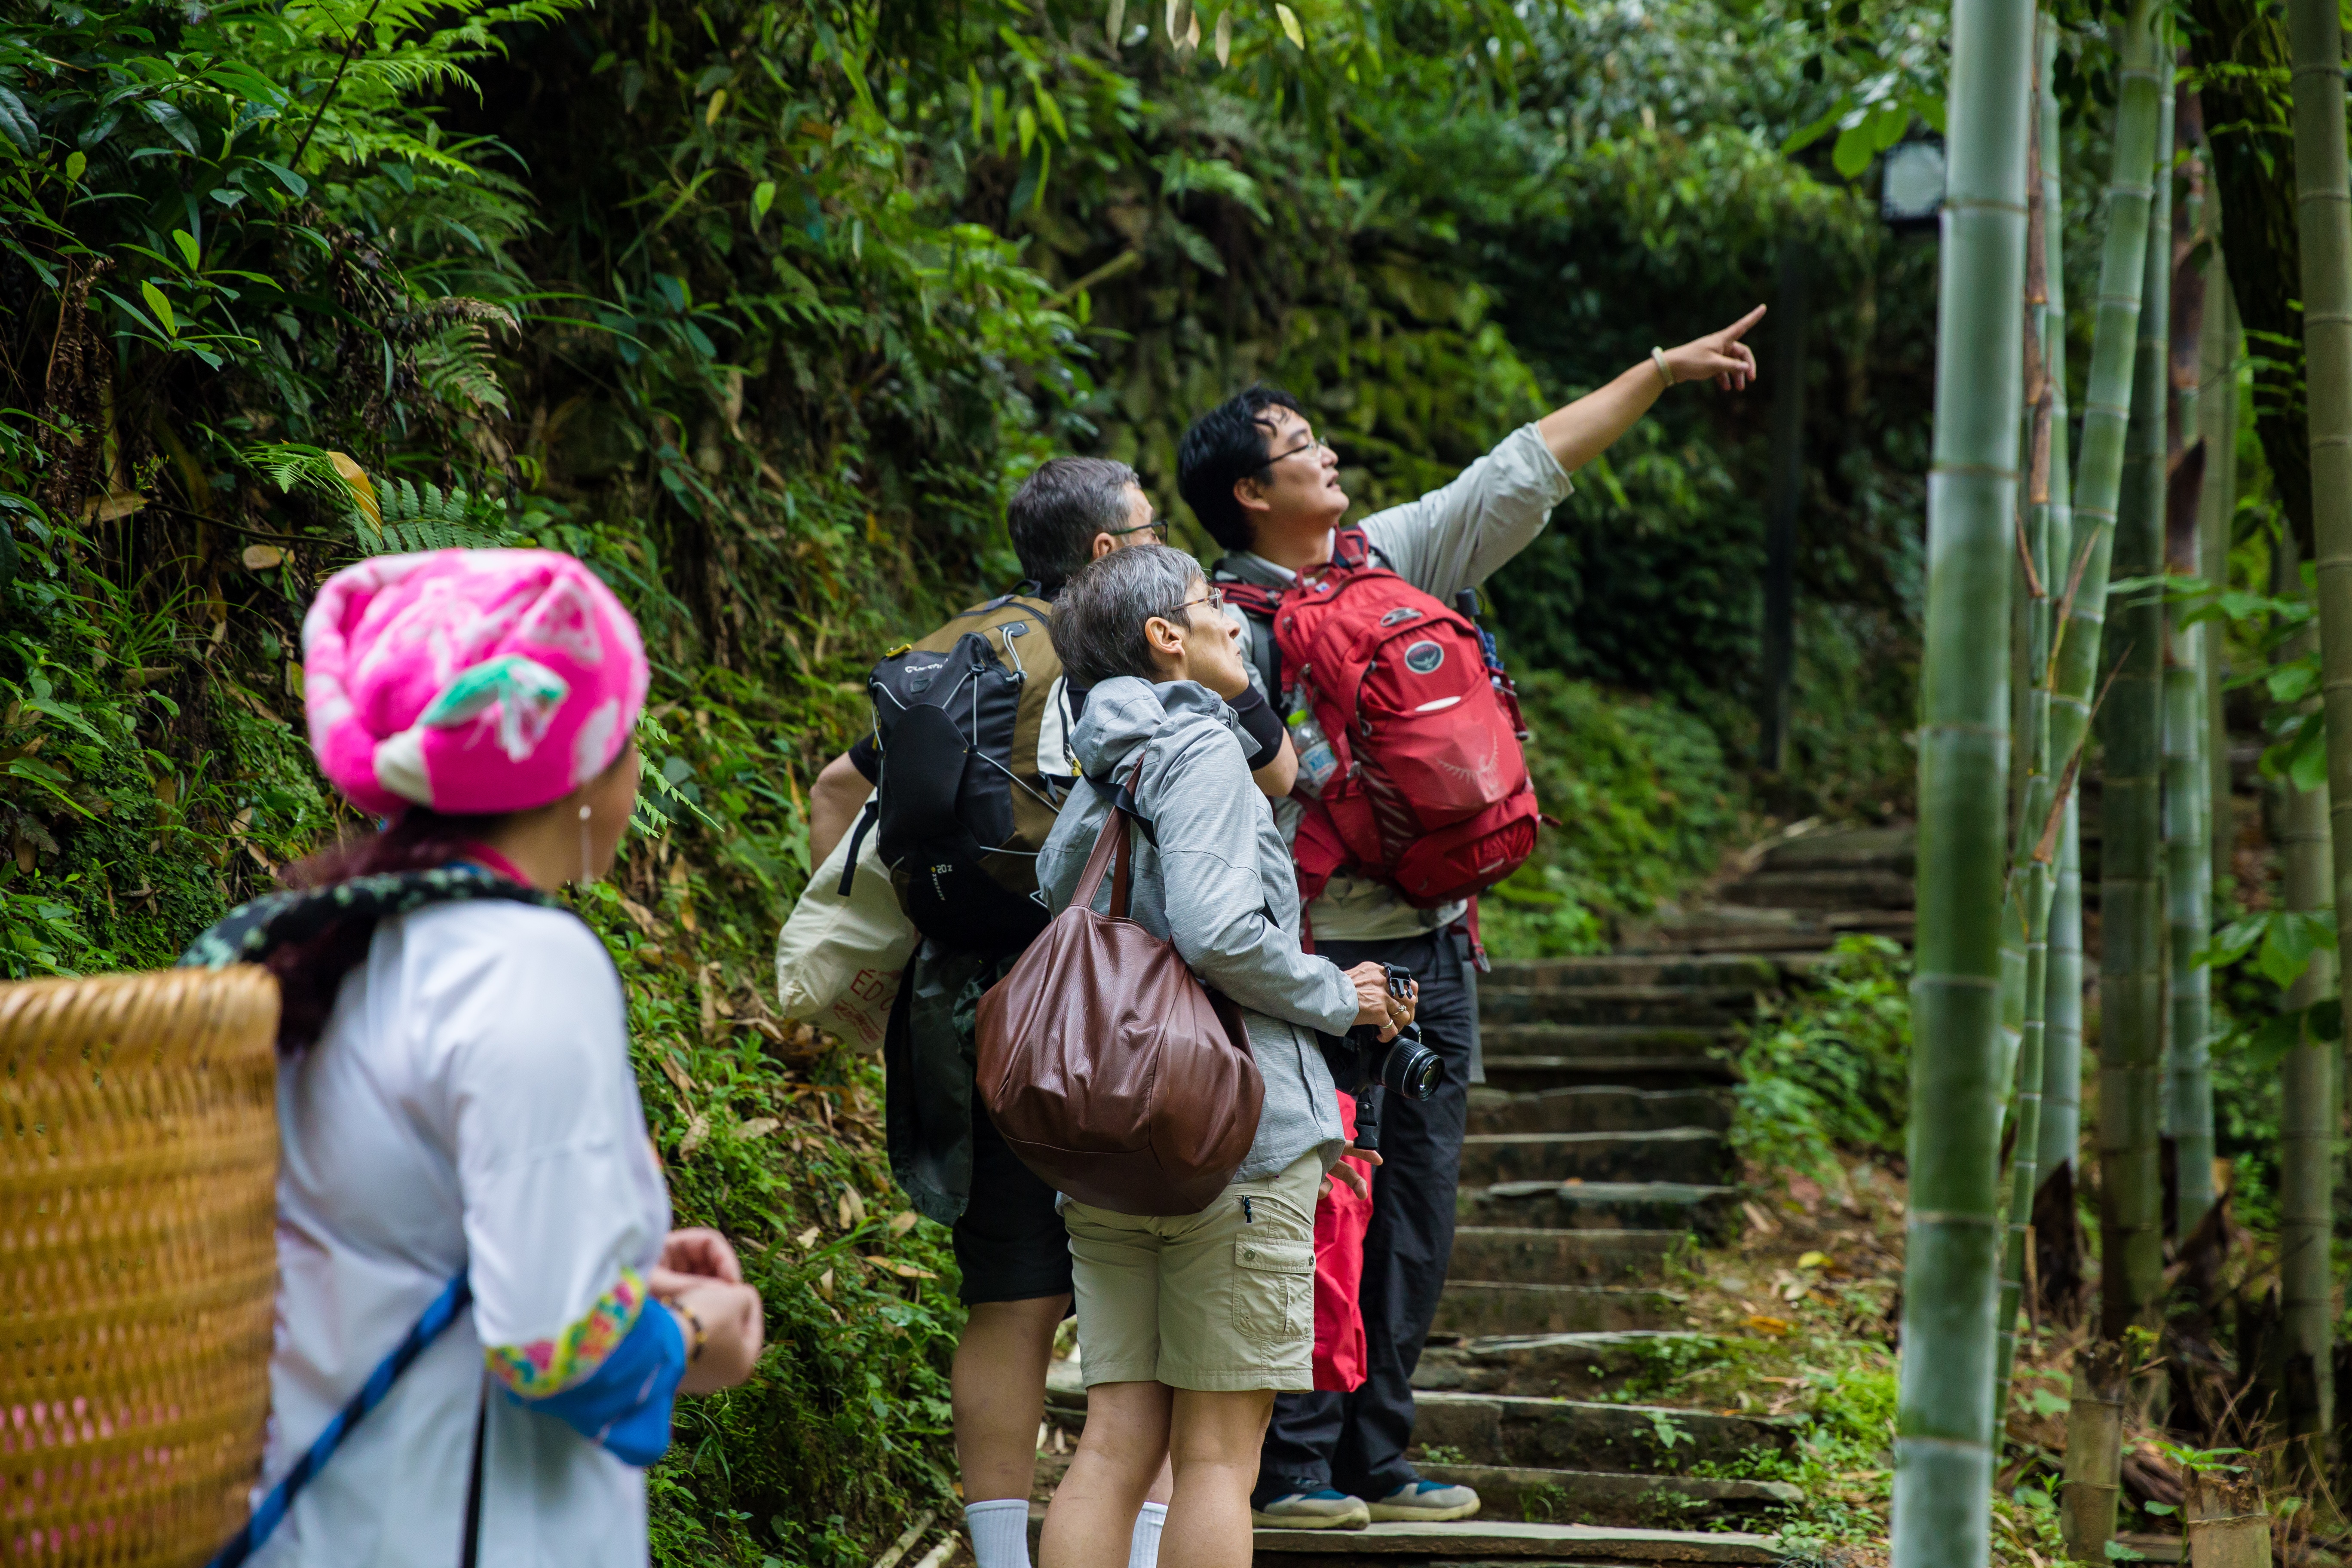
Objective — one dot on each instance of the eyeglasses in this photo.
(1215, 600)
(1312, 445)
(1157, 525)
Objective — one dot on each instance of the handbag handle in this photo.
(1113, 843)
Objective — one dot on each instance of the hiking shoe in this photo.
(1427, 1502)
(1325, 1510)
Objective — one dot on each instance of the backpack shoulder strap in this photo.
(248, 933)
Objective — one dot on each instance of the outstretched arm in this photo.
(1584, 429)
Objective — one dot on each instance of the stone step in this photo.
(1478, 1308)
(1515, 1256)
(1604, 1497)
(1582, 1434)
(1605, 1107)
(1554, 1366)
(1825, 889)
(1474, 1541)
(1696, 1155)
(1520, 1074)
(1604, 1040)
(1762, 972)
(1683, 1006)
(1872, 848)
(1712, 1211)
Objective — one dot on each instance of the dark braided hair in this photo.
(310, 973)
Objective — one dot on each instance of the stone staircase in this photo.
(1596, 1159)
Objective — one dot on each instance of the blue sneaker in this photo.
(1427, 1502)
(1325, 1509)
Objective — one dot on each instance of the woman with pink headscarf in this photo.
(455, 1099)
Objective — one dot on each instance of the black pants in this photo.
(1357, 1441)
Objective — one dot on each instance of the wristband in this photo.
(701, 1334)
(1665, 370)
(1261, 724)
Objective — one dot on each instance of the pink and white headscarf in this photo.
(469, 680)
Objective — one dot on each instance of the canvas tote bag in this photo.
(840, 957)
(1110, 1069)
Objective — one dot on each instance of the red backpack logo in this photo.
(1431, 792)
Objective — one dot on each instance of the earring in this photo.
(587, 873)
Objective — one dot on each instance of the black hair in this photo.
(1226, 446)
(1057, 511)
(1097, 624)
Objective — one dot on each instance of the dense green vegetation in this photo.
(762, 308)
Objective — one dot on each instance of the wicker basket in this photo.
(137, 1164)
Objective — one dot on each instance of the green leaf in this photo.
(763, 196)
(159, 305)
(2308, 768)
(1854, 151)
(175, 124)
(186, 242)
(1027, 120)
(75, 162)
(287, 177)
(1290, 28)
(2295, 936)
(16, 120)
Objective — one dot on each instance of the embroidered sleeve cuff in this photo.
(544, 1368)
(625, 1402)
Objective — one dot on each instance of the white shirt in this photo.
(471, 1105)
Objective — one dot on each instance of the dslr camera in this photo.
(1401, 1066)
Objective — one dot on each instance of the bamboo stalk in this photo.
(2324, 223)
(2217, 505)
(1943, 1459)
(2095, 1447)
(2227, 1526)
(2061, 994)
(2131, 976)
(2307, 1121)
(2025, 912)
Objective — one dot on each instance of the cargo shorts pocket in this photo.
(1274, 1291)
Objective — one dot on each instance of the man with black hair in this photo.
(1009, 1242)
(1262, 484)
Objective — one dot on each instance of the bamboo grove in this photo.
(2112, 523)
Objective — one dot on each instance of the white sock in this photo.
(1000, 1531)
(1143, 1549)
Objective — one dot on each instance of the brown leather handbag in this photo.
(1112, 1071)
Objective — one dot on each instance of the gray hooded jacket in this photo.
(1218, 883)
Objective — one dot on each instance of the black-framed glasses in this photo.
(1312, 445)
(1157, 525)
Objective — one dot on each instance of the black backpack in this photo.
(973, 723)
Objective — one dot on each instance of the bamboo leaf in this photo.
(1225, 36)
(1290, 28)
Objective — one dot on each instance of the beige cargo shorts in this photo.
(1221, 1300)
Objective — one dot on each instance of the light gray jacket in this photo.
(1218, 884)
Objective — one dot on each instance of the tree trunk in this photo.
(1780, 641)
(2131, 909)
(1943, 1456)
(2254, 180)
(2025, 917)
(2187, 816)
(2095, 1451)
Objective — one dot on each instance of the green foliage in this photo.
(1830, 1070)
(1644, 803)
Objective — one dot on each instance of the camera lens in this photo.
(1411, 1068)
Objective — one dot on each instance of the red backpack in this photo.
(1432, 793)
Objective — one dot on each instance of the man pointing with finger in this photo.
(1268, 490)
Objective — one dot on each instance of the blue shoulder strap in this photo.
(454, 1298)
